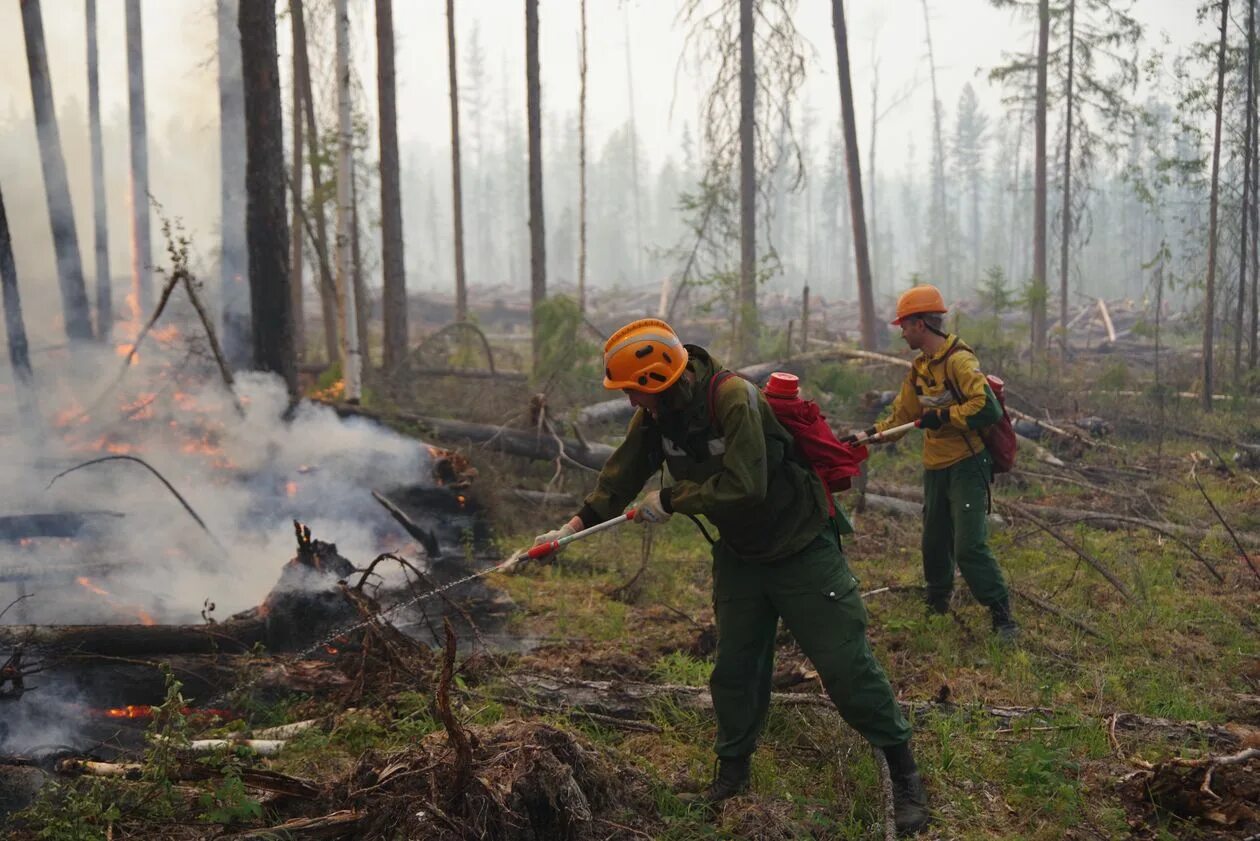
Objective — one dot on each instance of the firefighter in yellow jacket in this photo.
(947, 393)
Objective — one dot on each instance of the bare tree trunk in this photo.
(74, 305)
(1209, 298)
(141, 237)
(295, 183)
(581, 272)
(362, 306)
(394, 268)
(746, 303)
(634, 153)
(1247, 197)
(104, 287)
(234, 294)
(15, 327)
(537, 237)
(266, 224)
(943, 239)
(351, 362)
(870, 165)
(457, 190)
(1067, 184)
(327, 286)
(866, 296)
(1254, 339)
(1038, 296)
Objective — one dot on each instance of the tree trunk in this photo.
(581, 268)
(362, 308)
(266, 222)
(1038, 296)
(141, 236)
(1067, 184)
(537, 238)
(295, 178)
(234, 295)
(104, 287)
(1209, 298)
(394, 269)
(634, 152)
(746, 301)
(942, 241)
(866, 295)
(1255, 206)
(327, 286)
(351, 361)
(74, 305)
(15, 327)
(1247, 197)
(870, 165)
(457, 190)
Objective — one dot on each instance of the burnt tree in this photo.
(746, 340)
(866, 294)
(233, 249)
(1209, 296)
(457, 190)
(394, 301)
(266, 219)
(74, 305)
(141, 234)
(19, 354)
(104, 288)
(537, 233)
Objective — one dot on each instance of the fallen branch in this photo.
(454, 733)
(1056, 611)
(160, 477)
(1194, 474)
(1085, 556)
(337, 825)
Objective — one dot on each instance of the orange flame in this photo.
(290, 489)
(84, 581)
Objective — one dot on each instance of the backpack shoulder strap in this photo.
(715, 381)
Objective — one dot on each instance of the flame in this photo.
(290, 489)
(462, 500)
(166, 333)
(334, 392)
(26, 541)
(84, 581)
(132, 711)
(330, 649)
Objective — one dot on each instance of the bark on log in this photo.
(137, 640)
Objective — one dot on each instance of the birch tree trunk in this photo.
(74, 305)
(351, 362)
(457, 190)
(746, 302)
(1038, 296)
(234, 294)
(104, 287)
(266, 222)
(537, 234)
(362, 305)
(1209, 299)
(866, 295)
(141, 234)
(393, 266)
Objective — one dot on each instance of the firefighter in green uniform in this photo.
(778, 554)
(946, 392)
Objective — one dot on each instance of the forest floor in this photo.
(592, 729)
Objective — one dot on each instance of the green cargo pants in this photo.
(817, 597)
(956, 530)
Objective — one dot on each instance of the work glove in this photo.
(650, 510)
(934, 419)
(852, 438)
(564, 531)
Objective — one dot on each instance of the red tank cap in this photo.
(783, 385)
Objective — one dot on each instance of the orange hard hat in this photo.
(919, 300)
(645, 355)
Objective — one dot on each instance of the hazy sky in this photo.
(179, 41)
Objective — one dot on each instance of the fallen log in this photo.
(57, 524)
(138, 640)
(517, 442)
(337, 825)
(255, 778)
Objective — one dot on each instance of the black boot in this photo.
(937, 603)
(1004, 624)
(910, 809)
(731, 779)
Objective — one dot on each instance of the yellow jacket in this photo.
(924, 388)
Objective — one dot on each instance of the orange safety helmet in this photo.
(645, 355)
(919, 300)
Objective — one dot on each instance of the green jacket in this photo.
(741, 474)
